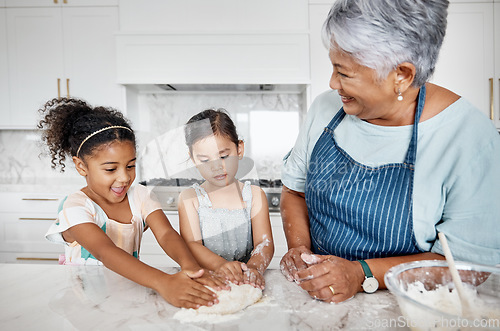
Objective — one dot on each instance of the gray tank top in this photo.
(226, 232)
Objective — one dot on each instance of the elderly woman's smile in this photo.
(365, 95)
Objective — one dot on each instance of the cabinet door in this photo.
(321, 67)
(496, 85)
(89, 51)
(58, 3)
(465, 64)
(279, 239)
(4, 70)
(35, 61)
(33, 3)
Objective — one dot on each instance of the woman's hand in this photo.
(253, 277)
(232, 271)
(330, 278)
(291, 262)
(181, 290)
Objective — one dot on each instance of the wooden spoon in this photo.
(466, 311)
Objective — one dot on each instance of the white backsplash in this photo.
(25, 161)
(268, 123)
(159, 126)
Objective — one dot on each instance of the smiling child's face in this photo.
(216, 158)
(109, 171)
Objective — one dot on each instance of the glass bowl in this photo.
(428, 300)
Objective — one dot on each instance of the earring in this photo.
(400, 96)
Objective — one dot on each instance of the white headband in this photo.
(99, 131)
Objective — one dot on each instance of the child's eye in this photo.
(224, 156)
(203, 160)
(131, 166)
(109, 170)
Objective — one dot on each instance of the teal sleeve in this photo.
(471, 216)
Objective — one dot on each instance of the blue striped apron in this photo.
(356, 211)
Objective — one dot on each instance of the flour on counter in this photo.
(230, 302)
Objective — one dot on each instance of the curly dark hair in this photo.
(67, 122)
(197, 127)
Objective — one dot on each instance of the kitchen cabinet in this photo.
(60, 51)
(215, 16)
(496, 81)
(321, 67)
(25, 218)
(58, 3)
(466, 64)
(195, 42)
(152, 254)
(4, 69)
(213, 59)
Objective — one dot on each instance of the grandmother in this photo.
(370, 185)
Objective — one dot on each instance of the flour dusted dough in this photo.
(240, 297)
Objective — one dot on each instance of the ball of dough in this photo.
(240, 297)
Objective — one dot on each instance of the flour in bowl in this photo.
(445, 299)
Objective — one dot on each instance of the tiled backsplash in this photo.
(267, 122)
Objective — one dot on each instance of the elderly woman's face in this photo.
(362, 94)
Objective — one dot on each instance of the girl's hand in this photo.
(181, 290)
(330, 278)
(232, 271)
(291, 263)
(254, 277)
(209, 278)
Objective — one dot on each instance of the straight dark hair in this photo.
(198, 127)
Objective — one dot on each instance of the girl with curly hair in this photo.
(102, 224)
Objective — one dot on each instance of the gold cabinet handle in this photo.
(59, 88)
(492, 106)
(36, 259)
(40, 199)
(67, 87)
(55, 1)
(65, 1)
(37, 218)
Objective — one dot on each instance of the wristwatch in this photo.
(370, 284)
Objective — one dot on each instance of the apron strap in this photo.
(411, 155)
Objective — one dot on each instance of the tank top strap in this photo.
(202, 195)
(246, 194)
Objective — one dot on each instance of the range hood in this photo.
(208, 88)
(217, 87)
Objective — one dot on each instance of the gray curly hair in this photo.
(380, 34)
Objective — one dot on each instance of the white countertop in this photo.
(53, 297)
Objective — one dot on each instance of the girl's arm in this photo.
(189, 226)
(178, 289)
(262, 237)
(175, 247)
(170, 241)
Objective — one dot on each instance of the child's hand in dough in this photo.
(254, 277)
(212, 280)
(232, 271)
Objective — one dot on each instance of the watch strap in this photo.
(366, 268)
